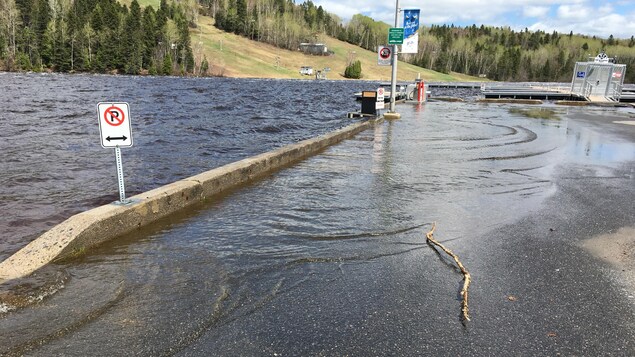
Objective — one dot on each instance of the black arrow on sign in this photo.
(123, 138)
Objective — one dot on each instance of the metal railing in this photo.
(616, 91)
(555, 87)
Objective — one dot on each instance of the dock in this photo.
(543, 91)
(535, 90)
(466, 85)
(628, 94)
(551, 91)
(600, 80)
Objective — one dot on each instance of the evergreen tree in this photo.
(43, 16)
(61, 54)
(186, 58)
(242, 19)
(166, 69)
(132, 46)
(148, 36)
(204, 66)
(3, 46)
(353, 70)
(96, 18)
(109, 53)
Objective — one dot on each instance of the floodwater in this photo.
(324, 258)
(53, 165)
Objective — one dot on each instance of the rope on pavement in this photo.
(466, 275)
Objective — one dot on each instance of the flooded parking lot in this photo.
(328, 257)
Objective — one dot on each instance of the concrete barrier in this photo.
(91, 228)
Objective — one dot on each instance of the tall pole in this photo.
(393, 78)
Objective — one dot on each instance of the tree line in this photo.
(507, 55)
(96, 36)
(281, 23)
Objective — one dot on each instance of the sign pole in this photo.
(393, 79)
(122, 188)
(115, 132)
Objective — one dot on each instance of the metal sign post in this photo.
(122, 187)
(393, 79)
(116, 132)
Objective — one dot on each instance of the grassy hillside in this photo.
(235, 56)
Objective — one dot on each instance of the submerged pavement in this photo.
(328, 257)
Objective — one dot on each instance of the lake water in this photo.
(53, 165)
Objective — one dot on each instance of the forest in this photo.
(108, 36)
(95, 36)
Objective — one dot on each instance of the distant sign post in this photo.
(395, 36)
(384, 56)
(115, 132)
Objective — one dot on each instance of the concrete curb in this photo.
(91, 228)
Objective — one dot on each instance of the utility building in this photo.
(598, 80)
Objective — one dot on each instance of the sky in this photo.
(588, 17)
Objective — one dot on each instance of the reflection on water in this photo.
(587, 145)
(203, 278)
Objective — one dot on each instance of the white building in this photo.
(599, 80)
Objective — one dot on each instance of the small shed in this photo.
(600, 79)
(317, 49)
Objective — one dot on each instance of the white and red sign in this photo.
(380, 94)
(114, 124)
(384, 56)
(380, 98)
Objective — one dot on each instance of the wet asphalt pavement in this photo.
(328, 257)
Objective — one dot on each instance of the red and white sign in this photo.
(380, 98)
(617, 75)
(384, 54)
(114, 124)
(380, 94)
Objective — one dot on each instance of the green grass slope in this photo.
(236, 56)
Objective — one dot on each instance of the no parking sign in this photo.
(116, 132)
(114, 124)
(384, 54)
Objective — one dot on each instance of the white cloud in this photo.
(575, 13)
(619, 26)
(535, 11)
(592, 17)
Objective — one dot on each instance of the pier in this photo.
(465, 85)
(551, 91)
(543, 91)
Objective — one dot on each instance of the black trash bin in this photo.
(369, 102)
